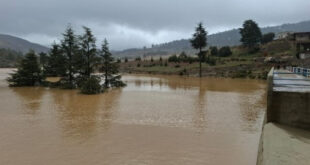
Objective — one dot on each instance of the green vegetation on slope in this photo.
(9, 58)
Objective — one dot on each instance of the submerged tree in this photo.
(88, 50)
(91, 85)
(109, 67)
(56, 62)
(28, 72)
(250, 34)
(43, 59)
(69, 47)
(199, 41)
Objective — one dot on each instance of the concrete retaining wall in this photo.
(290, 108)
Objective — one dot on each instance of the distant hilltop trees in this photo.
(75, 60)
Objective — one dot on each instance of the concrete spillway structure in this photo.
(285, 137)
(288, 99)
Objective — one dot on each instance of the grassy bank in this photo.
(241, 64)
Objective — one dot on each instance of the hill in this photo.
(9, 58)
(19, 44)
(226, 38)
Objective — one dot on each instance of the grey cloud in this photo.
(135, 23)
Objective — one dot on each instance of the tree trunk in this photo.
(70, 66)
(106, 78)
(199, 68)
(200, 58)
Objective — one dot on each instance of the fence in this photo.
(300, 71)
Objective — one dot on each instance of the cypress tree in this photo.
(28, 72)
(199, 41)
(250, 34)
(88, 50)
(69, 46)
(109, 67)
(56, 62)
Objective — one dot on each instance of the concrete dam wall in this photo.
(285, 137)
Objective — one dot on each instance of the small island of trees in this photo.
(75, 60)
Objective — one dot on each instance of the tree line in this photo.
(251, 38)
(75, 60)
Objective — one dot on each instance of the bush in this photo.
(240, 74)
(64, 83)
(116, 82)
(225, 51)
(177, 66)
(173, 58)
(213, 51)
(254, 49)
(138, 59)
(211, 61)
(267, 38)
(91, 86)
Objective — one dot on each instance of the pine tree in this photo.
(55, 64)
(69, 47)
(28, 72)
(88, 50)
(109, 67)
(250, 34)
(43, 59)
(199, 41)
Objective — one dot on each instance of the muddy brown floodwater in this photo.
(154, 120)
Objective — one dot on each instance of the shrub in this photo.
(267, 38)
(211, 61)
(91, 86)
(138, 59)
(213, 51)
(225, 51)
(65, 84)
(173, 58)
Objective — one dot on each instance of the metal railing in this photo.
(300, 71)
(301, 82)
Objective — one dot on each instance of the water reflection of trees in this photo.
(80, 115)
(199, 117)
(210, 84)
(252, 106)
(31, 98)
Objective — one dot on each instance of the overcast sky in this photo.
(138, 23)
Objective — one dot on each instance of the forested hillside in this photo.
(19, 44)
(9, 58)
(227, 38)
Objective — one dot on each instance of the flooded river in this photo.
(154, 120)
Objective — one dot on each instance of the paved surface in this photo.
(289, 82)
(284, 145)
